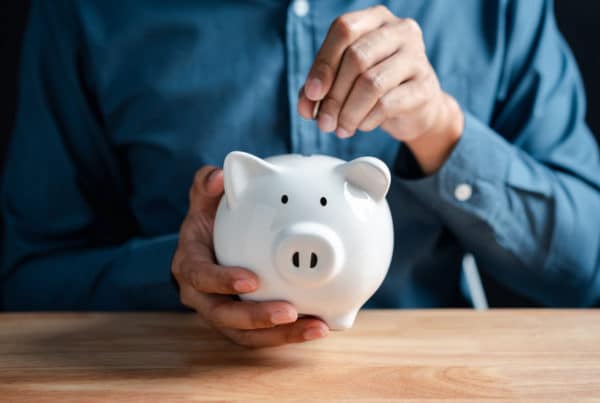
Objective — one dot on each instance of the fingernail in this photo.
(313, 88)
(326, 122)
(313, 333)
(343, 133)
(213, 175)
(280, 317)
(244, 285)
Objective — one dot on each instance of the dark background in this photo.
(577, 19)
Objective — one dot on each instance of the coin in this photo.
(316, 109)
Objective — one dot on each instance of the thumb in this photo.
(207, 189)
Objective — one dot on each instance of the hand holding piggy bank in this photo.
(316, 230)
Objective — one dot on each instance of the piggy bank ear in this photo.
(368, 174)
(239, 170)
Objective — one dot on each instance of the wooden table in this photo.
(424, 355)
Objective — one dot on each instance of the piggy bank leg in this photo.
(341, 322)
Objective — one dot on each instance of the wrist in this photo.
(432, 148)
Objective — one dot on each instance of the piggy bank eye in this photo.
(323, 201)
(284, 199)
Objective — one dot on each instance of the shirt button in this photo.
(463, 192)
(301, 7)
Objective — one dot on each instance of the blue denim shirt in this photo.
(122, 101)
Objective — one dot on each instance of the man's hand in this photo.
(371, 71)
(209, 288)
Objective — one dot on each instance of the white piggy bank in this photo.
(316, 230)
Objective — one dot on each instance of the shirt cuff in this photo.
(466, 189)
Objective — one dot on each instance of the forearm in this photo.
(433, 147)
(132, 276)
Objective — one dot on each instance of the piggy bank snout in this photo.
(308, 254)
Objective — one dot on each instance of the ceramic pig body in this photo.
(316, 230)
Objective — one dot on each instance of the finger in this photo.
(372, 85)
(400, 101)
(206, 276)
(359, 57)
(343, 32)
(206, 190)
(224, 312)
(297, 332)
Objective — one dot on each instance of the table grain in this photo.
(425, 355)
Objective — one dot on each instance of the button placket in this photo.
(299, 43)
(301, 7)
